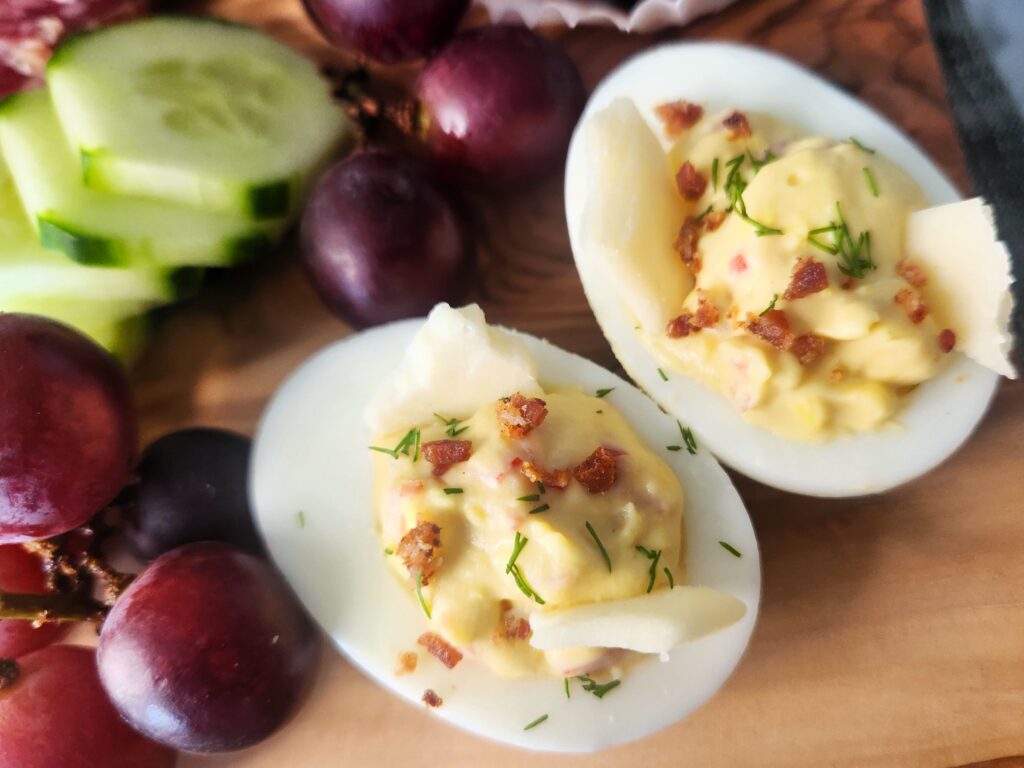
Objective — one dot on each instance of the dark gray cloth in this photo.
(980, 44)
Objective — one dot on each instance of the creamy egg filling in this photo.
(800, 303)
(506, 541)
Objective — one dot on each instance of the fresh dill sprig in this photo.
(419, 593)
(869, 177)
(730, 549)
(736, 185)
(855, 257)
(452, 426)
(770, 307)
(688, 438)
(512, 568)
(604, 552)
(858, 145)
(603, 392)
(590, 685)
(654, 555)
(536, 722)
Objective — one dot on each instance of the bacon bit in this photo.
(513, 627)
(912, 304)
(444, 453)
(687, 323)
(837, 374)
(520, 415)
(681, 326)
(691, 182)
(417, 549)
(773, 327)
(809, 277)
(678, 116)
(440, 649)
(410, 488)
(556, 478)
(714, 219)
(808, 348)
(431, 699)
(597, 472)
(738, 126)
(738, 264)
(912, 273)
(686, 242)
(407, 661)
(947, 340)
(848, 284)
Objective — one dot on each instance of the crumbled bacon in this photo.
(809, 277)
(774, 328)
(682, 326)
(418, 550)
(691, 182)
(848, 284)
(686, 241)
(808, 348)
(556, 478)
(912, 273)
(738, 125)
(440, 649)
(912, 304)
(687, 323)
(947, 340)
(443, 453)
(519, 415)
(407, 661)
(597, 472)
(678, 116)
(513, 626)
(431, 699)
(713, 220)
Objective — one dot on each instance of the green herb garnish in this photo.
(536, 722)
(770, 307)
(540, 487)
(411, 441)
(419, 593)
(531, 497)
(736, 185)
(300, 516)
(541, 508)
(688, 438)
(702, 214)
(654, 555)
(513, 569)
(714, 174)
(598, 689)
(757, 165)
(869, 177)
(671, 581)
(604, 552)
(389, 551)
(566, 681)
(730, 548)
(860, 146)
(662, 374)
(603, 392)
(855, 257)
(452, 426)
(452, 491)
(674, 447)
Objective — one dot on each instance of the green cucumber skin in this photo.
(270, 201)
(79, 246)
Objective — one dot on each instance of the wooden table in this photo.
(892, 629)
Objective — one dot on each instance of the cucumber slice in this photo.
(102, 229)
(32, 275)
(197, 111)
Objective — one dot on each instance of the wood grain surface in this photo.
(892, 627)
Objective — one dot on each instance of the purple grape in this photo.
(207, 650)
(382, 241)
(68, 433)
(192, 487)
(498, 105)
(388, 30)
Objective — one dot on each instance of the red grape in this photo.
(192, 487)
(207, 650)
(67, 428)
(388, 30)
(382, 241)
(22, 572)
(57, 714)
(499, 104)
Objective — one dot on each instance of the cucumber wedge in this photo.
(196, 111)
(110, 230)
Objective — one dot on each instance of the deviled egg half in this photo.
(506, 533)
(763, 254)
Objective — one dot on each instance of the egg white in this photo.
(933, 422)
(310, 456)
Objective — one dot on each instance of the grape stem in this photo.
(369, 110)
(50, 608)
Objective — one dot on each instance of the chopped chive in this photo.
(301, 517)
(451, 491)
(540, 487)
(662, 374)
(860, 146)
(389, 451)
(416, 447)
(869, 177)
(654, 556)
(688, 438)
(822, 246)
(411, 440)
(662, 408)
(674, 447)
(771, 305)
(536, 722)
(603, 392)
(702, 214)
(598, 411)
(671, 581)
(730, 548)
(517, 575)
(821, 230)
(566, 681)
(714, 174)
(598, 689)
(541, 508)
(517, 547)
(419, 593)
(451, 425)
(388, 551)
(604, 552)
(531, 497)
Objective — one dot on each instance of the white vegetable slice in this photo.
(652, 623)
(455, 365)
(969, 278)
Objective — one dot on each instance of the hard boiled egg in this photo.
(621, 204)
(312, 492)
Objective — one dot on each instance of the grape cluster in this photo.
(494, 109)
(206, 650)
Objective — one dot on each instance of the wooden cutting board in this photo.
(892, 628)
